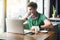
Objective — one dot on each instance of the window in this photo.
(1, 16)
(16, 8)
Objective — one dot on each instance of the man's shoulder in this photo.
(40, 14)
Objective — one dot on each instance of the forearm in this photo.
(26, 17)
(24, 20)
(46, 26)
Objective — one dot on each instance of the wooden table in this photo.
(39, 36)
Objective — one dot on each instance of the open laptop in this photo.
(16, 26)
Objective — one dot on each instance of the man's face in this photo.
(31, 10)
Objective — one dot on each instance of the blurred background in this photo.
(18, 9)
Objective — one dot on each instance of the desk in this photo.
(39, 36)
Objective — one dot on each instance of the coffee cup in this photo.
(35, 29)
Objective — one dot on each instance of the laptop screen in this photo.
(14, 26)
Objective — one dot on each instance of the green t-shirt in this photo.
(36, 22)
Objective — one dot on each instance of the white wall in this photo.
(1, 16)
(46, 8)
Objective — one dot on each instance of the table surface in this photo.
(55, 19)
(14, 36)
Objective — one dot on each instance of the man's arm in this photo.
(25, 18)
(47, 24)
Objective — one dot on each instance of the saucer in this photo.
(44, 31)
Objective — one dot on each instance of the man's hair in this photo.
(32, 4)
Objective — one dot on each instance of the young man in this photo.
(36, 19)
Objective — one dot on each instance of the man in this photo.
(36, 19)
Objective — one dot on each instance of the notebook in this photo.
(14, 26)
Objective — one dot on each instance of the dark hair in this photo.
(32, 4)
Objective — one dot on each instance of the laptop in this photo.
(15, 26)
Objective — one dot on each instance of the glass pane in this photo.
(1, 16)
(16, 8)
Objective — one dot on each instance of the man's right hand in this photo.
(26, 16)
(29, 13)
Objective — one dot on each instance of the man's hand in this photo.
(47, 24)
(26, 16)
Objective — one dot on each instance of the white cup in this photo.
(36, 28)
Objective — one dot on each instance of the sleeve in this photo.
(43, 17)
